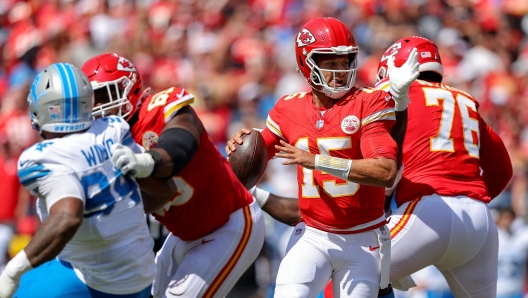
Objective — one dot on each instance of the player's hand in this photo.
(8, 286)
(137, 165)
(401, 79)
(236, 139)
(295, 155)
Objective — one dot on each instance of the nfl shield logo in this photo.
(319, 124)
(298, 232)
(383, 231)
(54, 112)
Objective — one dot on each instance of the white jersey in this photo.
(112, 250)
(513, 253)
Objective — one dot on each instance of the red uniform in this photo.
(353, 128)
(443, 144)
(208, 190)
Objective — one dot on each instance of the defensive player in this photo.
(217, 230)
(93, 241)
(339, 136)
(454, 164)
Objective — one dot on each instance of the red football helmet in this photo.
(428, 55)
(121, 80)
(325, 36)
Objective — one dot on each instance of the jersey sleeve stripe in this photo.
(171, 109)
(387, 114)
(127, 139)
(274, 128)
(31, 174)
(384, 87)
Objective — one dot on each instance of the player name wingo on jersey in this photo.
(101, 151)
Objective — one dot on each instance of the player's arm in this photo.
(65, 198)
(285, 210)
(156, 192)
(177, 145)
(494, 160)
(398, 133)
(56, 231)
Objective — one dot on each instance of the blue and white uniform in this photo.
(112, 250)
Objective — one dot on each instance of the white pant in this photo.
(210, 266)
(456, 234)
(314, 256)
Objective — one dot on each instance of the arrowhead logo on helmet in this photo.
(124, 64)
(305, 37)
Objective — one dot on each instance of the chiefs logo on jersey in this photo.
(350, 124)
(304, 38)
(124, 64)
(149, 139)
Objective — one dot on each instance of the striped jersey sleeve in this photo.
(178, 99)
(378, 106)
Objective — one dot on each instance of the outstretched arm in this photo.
(55, 232)
(177, 145)
(285, 210)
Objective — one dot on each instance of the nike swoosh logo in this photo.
(205, 241)
(387, 98)
(23, 163)
(181, 93)
(373, 248)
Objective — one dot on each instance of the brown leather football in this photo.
(250, 159)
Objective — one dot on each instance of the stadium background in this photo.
(237, 58)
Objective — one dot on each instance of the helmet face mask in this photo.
(326, 36)
(318, 79)
(111, 98)
(117, 85)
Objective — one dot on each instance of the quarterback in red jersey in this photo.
(453, 164)
(217, 230)
(338, 135)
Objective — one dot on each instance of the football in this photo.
(250, 159)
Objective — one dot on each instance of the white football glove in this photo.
(401, 79)
(8, 286)
(138, 165)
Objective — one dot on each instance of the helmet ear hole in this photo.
(36, 124)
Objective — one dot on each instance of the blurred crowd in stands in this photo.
(237, 58)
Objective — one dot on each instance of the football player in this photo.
(339, 136)
(217, 229)
(453, 165)
(442, 219)
(93, 241)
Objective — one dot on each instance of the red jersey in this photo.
(442, 147)
(208, 191)
(356, 127)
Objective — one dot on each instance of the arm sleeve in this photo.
(273, 132)
(57, 187)
(494, 160)
(270, 140)
(376, 141)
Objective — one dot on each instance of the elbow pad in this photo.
(181, 146)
